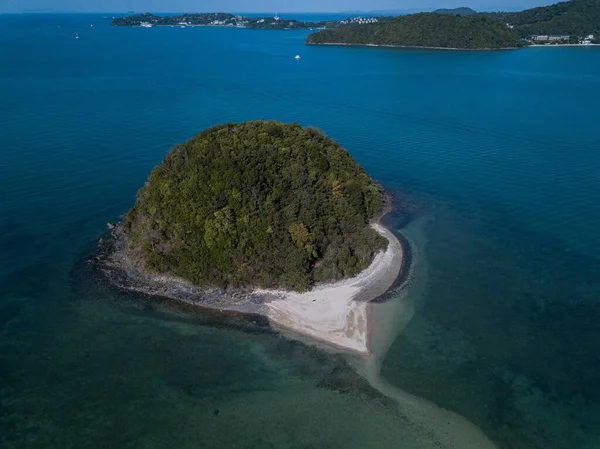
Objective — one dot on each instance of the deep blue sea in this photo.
(497, 152)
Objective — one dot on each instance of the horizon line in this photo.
(381, 12)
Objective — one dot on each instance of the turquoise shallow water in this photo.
(499, 149)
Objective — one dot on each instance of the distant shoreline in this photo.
(243, 27)
(561, 45)
(182, 26)
(414, 47)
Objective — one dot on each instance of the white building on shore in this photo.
(547, 38)
(359, 20)
(587, 40)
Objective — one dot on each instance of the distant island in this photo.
(261, 217)
(572, 22)
(433, 30)
(148, 20)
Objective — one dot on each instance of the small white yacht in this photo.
(297, 57)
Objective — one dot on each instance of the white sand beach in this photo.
(339, 313)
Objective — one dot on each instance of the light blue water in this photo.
(500, 148)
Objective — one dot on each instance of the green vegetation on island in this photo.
(256, 204)
(425, 30)
(456, 11)
(575, 21)
(219, 19)
(577, 18)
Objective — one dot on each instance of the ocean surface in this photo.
(496, 153)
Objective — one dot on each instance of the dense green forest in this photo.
(575, 17)
(426, 30)
(456, 11)
(258, 203)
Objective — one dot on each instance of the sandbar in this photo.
(338, 313)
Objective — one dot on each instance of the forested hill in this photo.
(426, 30)
(575, 17)
(256, 204)
(456, 11)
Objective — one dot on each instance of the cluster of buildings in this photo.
(233, 21)
(547, 38)
(587, 40)
(224, 23)
(359, 20)
(544, 38)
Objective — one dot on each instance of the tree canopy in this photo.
(456, 11)
(425, 30)
(256, 204)
(575, 17)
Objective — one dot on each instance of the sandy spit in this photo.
(338, 313)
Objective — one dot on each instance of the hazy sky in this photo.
(258, 5)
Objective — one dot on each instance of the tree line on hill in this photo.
(465, 28)
(426, 30)
(577, 17)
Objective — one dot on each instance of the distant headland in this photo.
(265, 218)
(274, 22)
(575, 22)
(425, 30)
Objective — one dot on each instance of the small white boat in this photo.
(297, 57)
(77, 36)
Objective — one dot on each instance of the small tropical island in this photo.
(261, 217)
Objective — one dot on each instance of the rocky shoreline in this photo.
(336, 314)
(112, 262)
